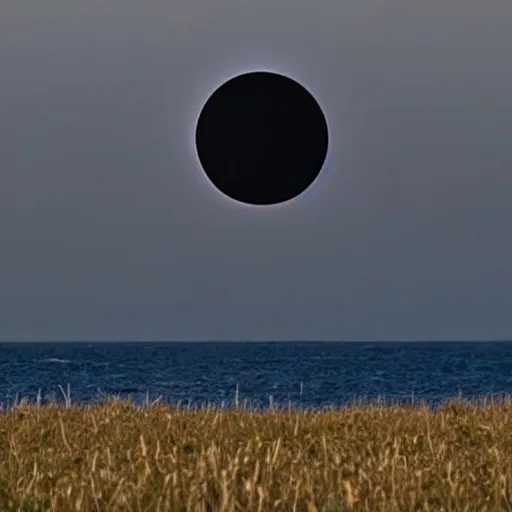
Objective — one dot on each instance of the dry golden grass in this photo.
(117, 457)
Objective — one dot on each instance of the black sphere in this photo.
(261, 138)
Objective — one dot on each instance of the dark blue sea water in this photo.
(304, 374)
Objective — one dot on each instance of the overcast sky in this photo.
(109, 229)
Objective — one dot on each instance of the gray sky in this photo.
(110, 230)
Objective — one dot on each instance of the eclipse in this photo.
(261, 138)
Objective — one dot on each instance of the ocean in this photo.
(255, 375)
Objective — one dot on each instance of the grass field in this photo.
(115, 456)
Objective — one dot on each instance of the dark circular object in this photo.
(261, 138)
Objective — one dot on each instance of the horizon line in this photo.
(266, 341)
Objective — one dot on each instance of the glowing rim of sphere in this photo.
(217, 81)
